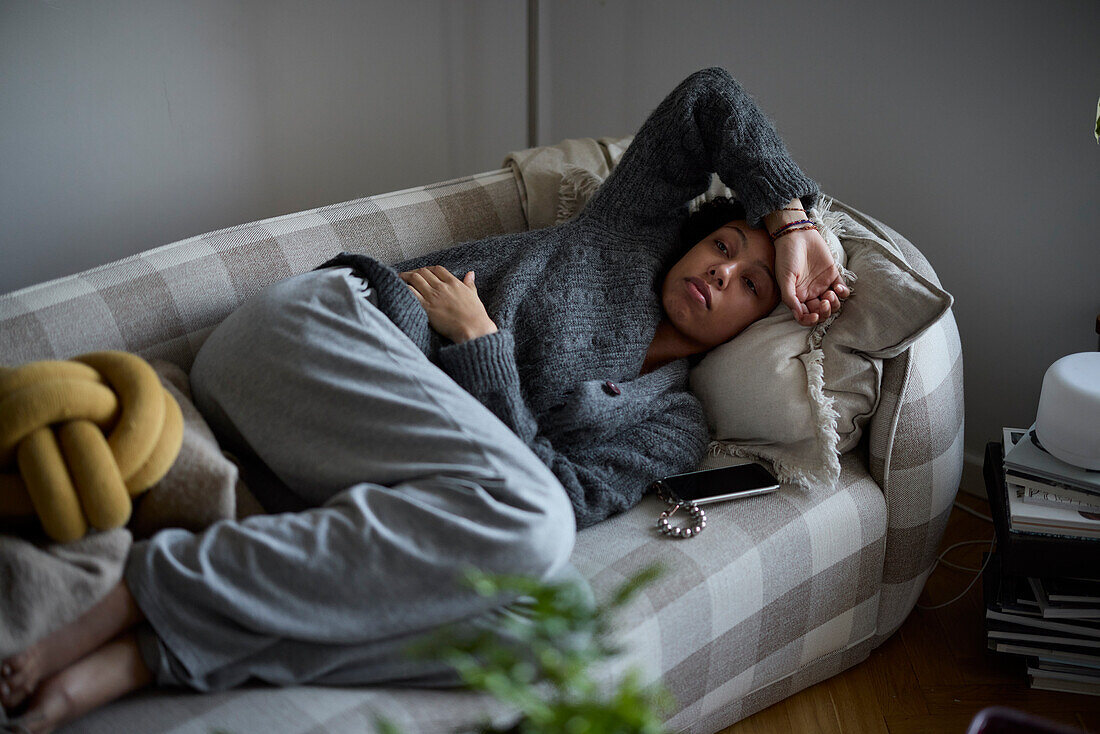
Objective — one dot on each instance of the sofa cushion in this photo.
(774, 586)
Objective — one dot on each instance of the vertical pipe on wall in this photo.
(532, 73)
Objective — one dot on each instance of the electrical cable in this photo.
(973, 512)
(940, 559)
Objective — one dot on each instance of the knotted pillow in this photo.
(80, 438)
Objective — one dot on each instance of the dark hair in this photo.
(711, 215)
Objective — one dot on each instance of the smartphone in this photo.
(717, 485)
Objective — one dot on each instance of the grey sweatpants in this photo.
(410, 480)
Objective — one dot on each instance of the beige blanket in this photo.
(46, 585)
(540, 172)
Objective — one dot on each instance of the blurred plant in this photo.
(1097, 132)
(540, 659)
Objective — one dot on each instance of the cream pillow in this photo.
(799, 397)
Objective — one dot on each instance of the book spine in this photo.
(1047, 498)
(1046, 684)
(1048, 532)
(1024, 479)
(1061, 490)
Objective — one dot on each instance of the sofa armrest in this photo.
(915, 446)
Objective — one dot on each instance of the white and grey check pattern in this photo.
(780, 592)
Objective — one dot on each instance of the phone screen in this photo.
(714, 485)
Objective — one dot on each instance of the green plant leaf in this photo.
(538, 659)
(385, 726)
(634, 584)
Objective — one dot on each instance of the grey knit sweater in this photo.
(577, 304)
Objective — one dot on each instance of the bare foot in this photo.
(21, 673)
(108, 673)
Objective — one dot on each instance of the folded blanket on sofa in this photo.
(539, 172)
(47, 585)
(203, 485)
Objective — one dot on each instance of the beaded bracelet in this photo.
(788, 226)
(698, 516)
(698, 520)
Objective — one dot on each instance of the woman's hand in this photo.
(453, 307)
(809, 280)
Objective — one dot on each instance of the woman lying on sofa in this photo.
(429, 422)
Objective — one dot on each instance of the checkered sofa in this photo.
(781, 592)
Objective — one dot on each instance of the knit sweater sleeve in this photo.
(708, 124)
(613, 470)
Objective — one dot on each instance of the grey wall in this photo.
(966, 125)
(129, 124)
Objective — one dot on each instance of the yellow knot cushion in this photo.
(80, 438)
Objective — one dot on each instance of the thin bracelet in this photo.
(788, 230)
(788, 226)
(791, 224)
(799, 229)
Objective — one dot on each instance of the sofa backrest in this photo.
(163, 303)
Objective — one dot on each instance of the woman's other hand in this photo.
(809, 280)
(453, 306)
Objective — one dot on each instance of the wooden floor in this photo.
(935, 673)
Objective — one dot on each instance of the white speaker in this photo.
(1068, 421)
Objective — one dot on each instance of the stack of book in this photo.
(1052, 621)
(1045, 494)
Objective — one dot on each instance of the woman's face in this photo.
(722, 284)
